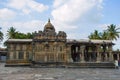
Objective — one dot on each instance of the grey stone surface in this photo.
(26, 73)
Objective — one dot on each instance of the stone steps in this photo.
(73, 65)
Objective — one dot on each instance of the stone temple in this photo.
(49, 47)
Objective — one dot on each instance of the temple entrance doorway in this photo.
(75, 53)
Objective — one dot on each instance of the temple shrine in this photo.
(50, 47)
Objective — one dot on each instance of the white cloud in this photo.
(26, 11)
(76, 14)
(77, 36)
(102, 26)
(6, 14)
(27, 6)
(17, 4)
(28, 26)
(73, 10)
(37, 6)
(58, 3)
(62, 26)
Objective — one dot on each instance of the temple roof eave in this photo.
(86, 41)
(19, 40)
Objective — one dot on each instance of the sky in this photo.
(78, 18)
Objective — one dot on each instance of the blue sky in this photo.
(78, 18)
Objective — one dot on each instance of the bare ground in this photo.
(26, 73)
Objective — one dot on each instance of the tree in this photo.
(29, 35)
(104, 35)
(1, 36)
(95, 35)
(113, 32)
(11, 33)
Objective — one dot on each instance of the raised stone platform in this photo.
(73, 65)
(17, 65)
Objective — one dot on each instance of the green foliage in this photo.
(95, 35)
(104, 35)
(24, 36)
(1, 35)
(13, 34)
(111, 33)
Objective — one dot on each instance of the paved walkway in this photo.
(24, 73)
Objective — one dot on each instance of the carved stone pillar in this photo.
(110, 53)
(117, 56)
(25, 54)
(65, 54)
(33, 51)
(106, 58)
(45, 56)
(98, 54)
(68, 51)
(55, 52)
(16, 54)
(82, 57)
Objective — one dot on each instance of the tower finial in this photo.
(49, 20)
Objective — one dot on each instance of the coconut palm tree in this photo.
(104, 35)
(11, 33)
(95, 35)
(113, 32)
